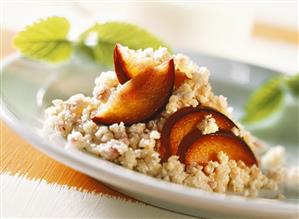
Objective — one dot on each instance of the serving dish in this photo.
(29, 87)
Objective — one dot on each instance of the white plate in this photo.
(28, 87)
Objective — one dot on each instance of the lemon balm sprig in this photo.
(47, 40)
(270, 98)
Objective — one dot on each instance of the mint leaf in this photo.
(45, 40)
(85, 51)
(265, 101)
(103, 37)
(103, 53)
(293, 84)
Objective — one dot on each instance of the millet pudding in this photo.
(186, 135)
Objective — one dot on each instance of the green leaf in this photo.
(103, 53)
(293, 84)
(103, 38)
(45, 40)
(265, 101)
(84, 51)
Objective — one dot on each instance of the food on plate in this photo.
(127, 65)
(124, 69)
(139, 98)
(157, 115)
(179, 124)
(201, 148)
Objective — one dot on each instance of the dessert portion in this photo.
(179, 124)
(201, 148)
(140, 98)
(157, 115)
(128, 64)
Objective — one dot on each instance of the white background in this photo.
(221, 28)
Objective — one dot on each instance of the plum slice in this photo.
(140, 98)
(200, 149)
(127, 67)
(178, 125)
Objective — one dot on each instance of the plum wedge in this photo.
(127, 67)
(200, 149)
(140, 98)
(185, 120)
(118, 66)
